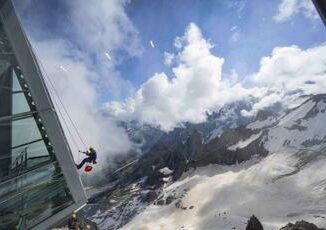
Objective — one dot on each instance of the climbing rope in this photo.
(59, 103)
(62, 105)
(56, 98)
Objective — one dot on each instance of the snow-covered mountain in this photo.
(302, 127)
(299, 128)
(273, 166)
(279, 189)
(287, 185)
(144, 136)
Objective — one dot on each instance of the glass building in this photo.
(39, 183)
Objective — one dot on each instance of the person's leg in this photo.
(88, 159)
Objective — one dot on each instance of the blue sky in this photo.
(101, 61)
(162, 21)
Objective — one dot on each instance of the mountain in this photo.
(301, 127)
(183, 148)
(273, 166)
(278, 160)
(144, 136)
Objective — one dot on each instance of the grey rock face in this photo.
(194, 145)
(301, 225)
(149, 197)
(216, 151)
(254, 224)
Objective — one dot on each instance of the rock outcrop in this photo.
(254, 224)
(301, 225)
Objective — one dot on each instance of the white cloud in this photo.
(235, 34)
(291, 68)
(72, 78)
(288, 8)
(69, 60)
(232, 77)
(234, 28)
(274, 99)
(195, 88)
(237, 5)
(178, 42)
(197, 85)
(267, 100)
(166, 101)
(288, 73)
(103, 29)
(104, 25)
(168, 58)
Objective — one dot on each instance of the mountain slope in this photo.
(222, 197)
(282, 177)
(273, 167)
(302, 127)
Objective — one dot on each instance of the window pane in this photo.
(22, 147)
(32, 186)
(19, 103)
(29, 155)
(24, 131)
(15, 83)
(28, 199)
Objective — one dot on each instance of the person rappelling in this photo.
(91, 157)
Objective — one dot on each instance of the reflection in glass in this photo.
(19, 103)
(27, 147)
(30, 198)
(32, 186)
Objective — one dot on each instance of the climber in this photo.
(92, 155)
(73, 222)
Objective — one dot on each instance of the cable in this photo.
(125, 166)
(59, 112)
(62, 105)
(62, 116)
(66, 124)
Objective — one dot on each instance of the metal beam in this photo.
(321, 8)
(5, 130)
(28, 143)
(33, 77)
(17, 116)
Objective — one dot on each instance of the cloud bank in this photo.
(80, 75)
(195, 88)
(289, 8)
(72, 80)
(291, 68)
(288, 73)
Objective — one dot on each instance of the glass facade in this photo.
(32, 185)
